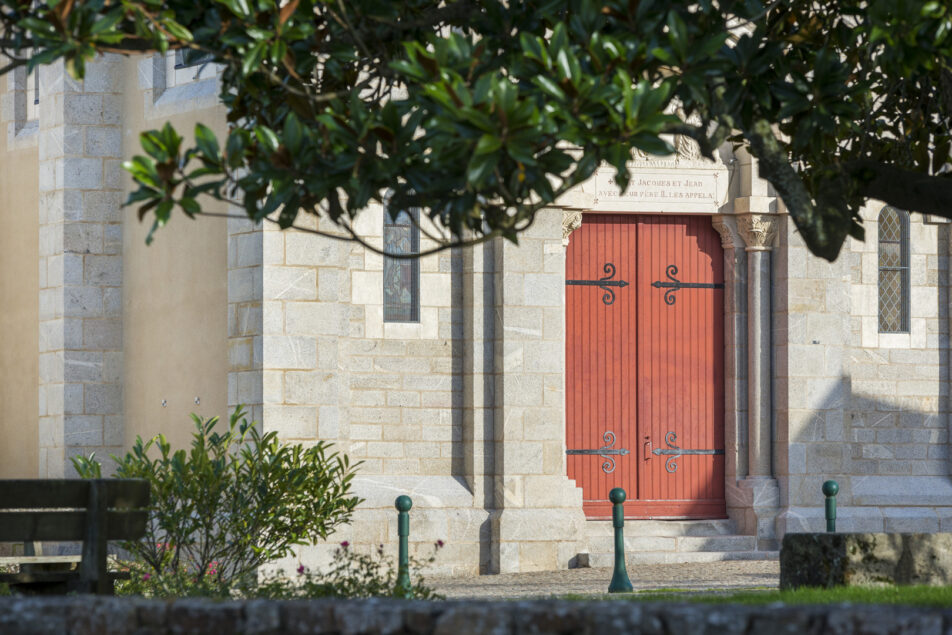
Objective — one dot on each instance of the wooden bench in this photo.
(91, 511)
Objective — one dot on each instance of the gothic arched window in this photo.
(893, 270)
(401, 276)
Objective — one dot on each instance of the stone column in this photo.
(758, 232)
(760, 493)
(735, 346)
(80, 301)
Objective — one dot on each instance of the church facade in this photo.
(676, 339)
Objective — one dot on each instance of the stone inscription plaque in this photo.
(662, 188)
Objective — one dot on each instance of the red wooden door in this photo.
(644, 365)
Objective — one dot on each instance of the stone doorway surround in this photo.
(746, 213)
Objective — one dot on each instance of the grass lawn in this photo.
(930, 596)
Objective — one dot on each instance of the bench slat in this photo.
(46, 525)
(53, 576)
(12, 560)
(39, 493)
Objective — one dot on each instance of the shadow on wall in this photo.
(881, 431)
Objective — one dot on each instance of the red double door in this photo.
(645, 365)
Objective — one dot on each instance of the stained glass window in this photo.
(401, 276)
(893, 271)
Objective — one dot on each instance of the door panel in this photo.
(600, 372)
(644, 362)
(680, 380)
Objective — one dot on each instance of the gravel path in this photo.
(717, 576)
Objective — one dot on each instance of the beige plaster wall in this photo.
(175, 290)
(19, 297)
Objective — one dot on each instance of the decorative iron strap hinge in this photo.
(676, 284)
(605, 284)
(674, 453)
(609, 438)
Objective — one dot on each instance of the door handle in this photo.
(647, 449)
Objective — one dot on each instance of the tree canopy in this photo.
(481, 112)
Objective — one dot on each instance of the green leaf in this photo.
(207, 142)
(190, 206)
(293, 133)
(177, 30)
(549, 86)
(253, 58)
(107, 23)
(267, 137)
(481, 167)
(652, 144)
(487, 144)
(238, 7)
(153, 145)
(678, 34)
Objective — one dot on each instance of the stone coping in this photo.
(88, 615)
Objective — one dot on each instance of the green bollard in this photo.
(620, 582)
(830, 489)
(403, 504)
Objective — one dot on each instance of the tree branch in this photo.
(905, 189)
(823, 229)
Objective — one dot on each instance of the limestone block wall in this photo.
(862, 407)
(245, 262)
(480, 451)
(333, 370)
(538, 523)
(898, 415)
(309, 351)
(80, 341)
(811, 339)
(405, 379)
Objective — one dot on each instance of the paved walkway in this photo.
(717, 576)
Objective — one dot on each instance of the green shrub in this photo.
(351, 575)
(235, 501)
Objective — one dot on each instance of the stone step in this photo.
(719, 527)
(676, 557)
(717, 543)
(680, 544)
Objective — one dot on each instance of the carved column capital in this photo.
(726, 226)
(571, 220)
(758, 230)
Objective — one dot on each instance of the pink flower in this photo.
(146, 576)
(345, 544)
(300, 570)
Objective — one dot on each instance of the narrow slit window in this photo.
(186, 58)
(33, 89)
(893, 271)
(401, 276)
(36, 89)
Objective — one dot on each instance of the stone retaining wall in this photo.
(104, 616)
(842, 559)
